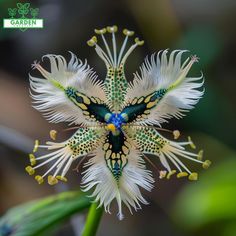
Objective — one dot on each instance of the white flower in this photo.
(116, 119)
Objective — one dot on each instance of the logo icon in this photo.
(23, 22)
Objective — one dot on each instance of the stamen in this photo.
(39, 179)
(122, 49)
(137, 43)
(101, 31)
(182, 174)
(181, 153)
(111, 127)
(193, 176)
(53, 134)
(53, 166)
(200, 155)
(170, 174)
(206, 164)
(173, 161)
(67, 166)
(102, 55)
(162, 174)
(32, 159)
(107, 48)
(93, 41)
(180, 162)
(59, 177)
(112, 29)
(52, 180)
(53, 157)
(192, 145)
(43, 146)
(176, 134)
(48, 155)
(30, 170)
(128, 32)
(36, 145)
(114, 48)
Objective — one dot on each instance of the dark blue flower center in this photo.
(117, 120)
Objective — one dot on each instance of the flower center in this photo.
(115, 121)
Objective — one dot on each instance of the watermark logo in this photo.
(19, 18)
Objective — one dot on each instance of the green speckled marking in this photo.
(147, 139)
(84, 140)
(115, 87)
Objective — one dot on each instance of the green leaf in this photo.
(210, 202)
(19, 5)
(37, 217)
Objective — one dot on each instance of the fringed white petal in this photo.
(134, 176)
(49, 96)
(163, 72)
(171, 153)
(61, 155)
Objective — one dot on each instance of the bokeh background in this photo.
(207, 29)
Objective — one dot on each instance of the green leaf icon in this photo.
(23, 9)
(34, 12)
(12, 12)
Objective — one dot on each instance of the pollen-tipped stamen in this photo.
(53, 134)
(36, 145)
(127, 33)
(172, 172)
(137, 43)
(108, 49)
(39, 179)
(32, 159)
(192, 145)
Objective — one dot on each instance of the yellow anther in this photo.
(192, 145)
(52, 180)
(193, 176)
(30, 170)
(200, 155)
(206, 164)
(53, 134)
(111, 127)
(112, 29)
(100, 31)
(170, 174)
(39, 179)
(139, 42)
(62, 178)
(182, 174)
(128, 32)
(162, 174)
(32, 159)
(176, 134)
(36, 145)
(92, 41)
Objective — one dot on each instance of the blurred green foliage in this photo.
(208, 206)
(40, 216)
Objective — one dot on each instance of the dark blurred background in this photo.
(207, 29)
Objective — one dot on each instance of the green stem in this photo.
(93, 220)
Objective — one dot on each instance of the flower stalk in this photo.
(93, 220)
